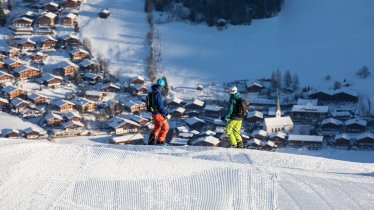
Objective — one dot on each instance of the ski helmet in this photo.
(233, 90)
(161, 82)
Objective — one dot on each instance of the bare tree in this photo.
(87, 44)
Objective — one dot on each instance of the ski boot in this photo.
(240, 145)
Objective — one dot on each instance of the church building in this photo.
(278, 123)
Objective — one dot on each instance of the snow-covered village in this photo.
(77, 78)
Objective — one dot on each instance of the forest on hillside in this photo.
(213, 11)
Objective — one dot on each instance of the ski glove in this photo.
(224, 119)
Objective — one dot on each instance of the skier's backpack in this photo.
(149, 101)
(241, 108)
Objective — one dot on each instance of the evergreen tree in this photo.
(295, 82)
(287, 80)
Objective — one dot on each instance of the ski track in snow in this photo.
(43, 175)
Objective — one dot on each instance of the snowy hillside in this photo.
(312, 38)
(151, 177)
(122, 38)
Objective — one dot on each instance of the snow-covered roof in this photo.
(176, 100)
(48, 77)
(270, 143)
(356, 121)
(61, 102)
(343, 136)
(24, 68)
(2, 73)
(180, 110)
(365, 135)
(7, 131)
(255, 114)
(208, 139)
(52, 4)
(132, 103)
(48, 37)
(30, 13)
(110, 85)
(72, 114)
(309, 108)
(7, 48)
(94, 93)
(4, 100)
(127, 137)
(50, 15)
(9, 89)
(71, 15)
(23, 41)
(327, 92)
(66, 63)
(34, 96)
(50, 116)
(197, 102)
(81, 101)
(340, 114)
(70, 36)
(194, 120)
(179, 141)
(346, 91)
(9, 61)
(134, 117)
(219, 130)
(278, 121)
(259, 132)
(106, 11)
(209, 133)
(253, 83)
(183, 129)
(278, 134)
(25, 19)
(186, 135)
(255, 141)
(301, 101)
(18, 101)
(79, 51)
(308, 138)
(332, 120)
(71, 123)
(91, 76)
(86, 62)
(195, 132)
(116, 122)
(213, 108)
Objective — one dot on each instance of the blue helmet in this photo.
(160, 82)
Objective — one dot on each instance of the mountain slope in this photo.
(42, 175)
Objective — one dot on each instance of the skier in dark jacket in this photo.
(235, 123)
(159, 116)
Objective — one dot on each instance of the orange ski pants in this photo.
(161, 127)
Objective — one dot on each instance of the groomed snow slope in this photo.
(42, 175)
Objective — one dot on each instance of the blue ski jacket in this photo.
(157, 101)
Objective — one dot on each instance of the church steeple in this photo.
(278, 113)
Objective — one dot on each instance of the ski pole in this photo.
(140, 130)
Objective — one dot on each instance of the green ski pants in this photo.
(233, 131)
